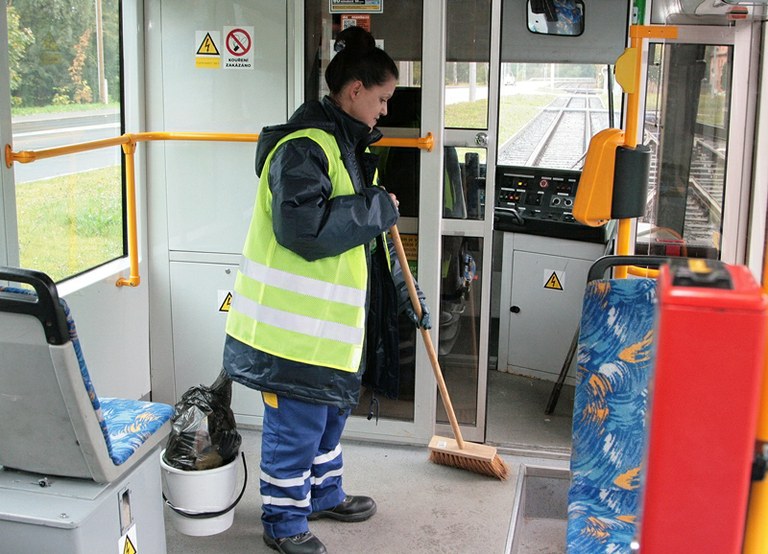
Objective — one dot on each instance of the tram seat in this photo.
(52, 422)
(610, 404)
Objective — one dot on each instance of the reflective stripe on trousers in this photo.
(301, 463)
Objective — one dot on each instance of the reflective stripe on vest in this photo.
(309, 312)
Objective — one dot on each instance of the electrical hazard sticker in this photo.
(225, 300)
(554, 280)
(207, 54)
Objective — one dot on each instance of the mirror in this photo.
(556, 17)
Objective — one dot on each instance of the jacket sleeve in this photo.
(306, 219)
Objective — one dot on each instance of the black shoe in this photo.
(352, 508)
(303, 543)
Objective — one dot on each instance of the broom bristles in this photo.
(494, 468)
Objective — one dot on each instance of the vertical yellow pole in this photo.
(130, 199)
(631, 86)
(624, 245)
(756, 529)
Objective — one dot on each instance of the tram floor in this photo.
(516, 420)
(422, 507)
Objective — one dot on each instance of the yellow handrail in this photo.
(128, 143)
(134, 278)
(29, 156)
(631, 86)
(756, 529)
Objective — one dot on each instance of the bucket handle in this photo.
(206, 515)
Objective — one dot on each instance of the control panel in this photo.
(540, 202)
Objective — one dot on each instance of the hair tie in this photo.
(339, 45)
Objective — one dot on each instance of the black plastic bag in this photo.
(203, 430)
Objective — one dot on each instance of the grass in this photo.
(68, 108)
(72, 223)
(514, 112)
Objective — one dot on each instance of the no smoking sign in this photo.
(239, 44)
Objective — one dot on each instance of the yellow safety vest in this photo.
(310, 312)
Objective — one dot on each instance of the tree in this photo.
(19, 40)
(80, 90)
(111, 28)
(57, 26)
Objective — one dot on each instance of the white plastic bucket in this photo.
(200, 492)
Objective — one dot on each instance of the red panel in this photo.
(704, 398)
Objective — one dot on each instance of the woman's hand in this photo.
(395, 201)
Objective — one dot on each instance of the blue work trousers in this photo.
(301, 463)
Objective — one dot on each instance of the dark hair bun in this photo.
(358, 58)
(354, 38)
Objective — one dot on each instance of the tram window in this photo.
(458, 351)
(397, 29)
(66, 89)
(549, 113)
(556, 17)
(464, 183)
(467, 64)
(686, 127)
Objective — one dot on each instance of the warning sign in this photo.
(239, 44)
(225, 300)
(207, 47)
(207, 53)
(127, 543)
(554, 280)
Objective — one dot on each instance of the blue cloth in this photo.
(130, 423)
(126, 424)
(615, 360)
(301, 463)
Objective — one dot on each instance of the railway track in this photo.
(704, 199)
(559, 136)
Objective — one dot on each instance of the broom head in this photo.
(478, 458)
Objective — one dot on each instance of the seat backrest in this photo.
(615, 363)
(51, 419)
(609, 424)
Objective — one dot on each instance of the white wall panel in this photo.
(211, 186)
(201, 193)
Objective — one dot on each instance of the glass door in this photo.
(397, 412)
(695, 126)
(470, 92)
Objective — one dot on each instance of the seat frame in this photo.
(48, 424)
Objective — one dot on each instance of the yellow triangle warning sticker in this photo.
(207, 47)
(129, 548)
(227, 303)
(553, 282)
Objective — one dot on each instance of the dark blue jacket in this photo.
(306, 223)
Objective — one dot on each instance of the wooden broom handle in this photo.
(426, 336)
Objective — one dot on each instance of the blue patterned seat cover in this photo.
(126, 424)
(611, 398)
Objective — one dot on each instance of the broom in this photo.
(443, 450)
